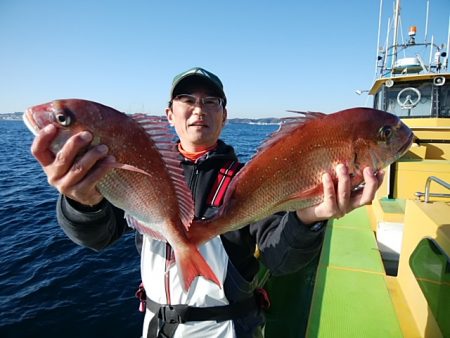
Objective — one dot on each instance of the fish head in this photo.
(380, 138)
(69, 116)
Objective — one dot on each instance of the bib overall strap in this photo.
(168, 317)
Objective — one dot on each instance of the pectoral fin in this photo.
(301, 199)
(124, 166)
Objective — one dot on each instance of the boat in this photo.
(384, 269)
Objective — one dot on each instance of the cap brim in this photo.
(193, 80)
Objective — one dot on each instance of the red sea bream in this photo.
(286, 173)
(146, 182)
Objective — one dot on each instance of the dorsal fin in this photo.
(158, 130)
(288, 124)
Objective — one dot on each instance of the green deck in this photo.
(351, 298)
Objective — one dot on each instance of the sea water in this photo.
(49, 286)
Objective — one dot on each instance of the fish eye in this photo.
(63, 119)
(385, 133)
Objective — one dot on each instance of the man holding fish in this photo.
(218, 300)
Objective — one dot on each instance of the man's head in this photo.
(194, 77)
(197, 108)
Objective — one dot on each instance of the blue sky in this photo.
(271, 55)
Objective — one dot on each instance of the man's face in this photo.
(198, 125)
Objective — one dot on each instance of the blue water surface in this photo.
(49, 286)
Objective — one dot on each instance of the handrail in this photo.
(427, 193)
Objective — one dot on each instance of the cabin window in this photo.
(444, 100)
(406, 100)
(431, 267)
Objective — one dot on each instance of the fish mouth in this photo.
(404, 148)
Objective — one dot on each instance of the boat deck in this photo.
(352, 296)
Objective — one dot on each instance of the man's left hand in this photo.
(340, 201)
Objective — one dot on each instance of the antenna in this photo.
(378, 38)
(401, 33)
(395, 41)
(448, 43)
(426, 20)
(386, 56)
(431, 49)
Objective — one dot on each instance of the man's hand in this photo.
(72, 175)
(340, 201)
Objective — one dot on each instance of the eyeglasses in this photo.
(209, 102)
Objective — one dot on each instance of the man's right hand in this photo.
(73, 176)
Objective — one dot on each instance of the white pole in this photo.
(426, 20)
(448, 45)
(378, 38)
(431, 50)
(397, 14)
(387, 45)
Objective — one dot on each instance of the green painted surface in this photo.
(431, 267)
(352, 304)
(351, 298)
(393, 206)
(356, 249)
(357, 219)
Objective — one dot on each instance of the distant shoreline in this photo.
(11, 116)
(17, 116)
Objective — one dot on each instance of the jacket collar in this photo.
(223, 151)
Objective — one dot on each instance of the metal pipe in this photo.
(426, 20)
(448, 44)
(378, 38)
(431, 50)
(386, 49)
(428, 184)
(395, 41)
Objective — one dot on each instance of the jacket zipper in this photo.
(194, 179)
(169, 262)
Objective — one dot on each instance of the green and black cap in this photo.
(194, 76)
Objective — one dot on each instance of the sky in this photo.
(272, 56)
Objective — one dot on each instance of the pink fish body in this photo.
(286, 173)
(147, 181)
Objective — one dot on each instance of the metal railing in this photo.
(427, 192)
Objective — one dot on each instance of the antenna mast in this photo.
(378, 38)
(426, 20)
(448, 44)
(395, 39)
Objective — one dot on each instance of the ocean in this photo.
(49, 286)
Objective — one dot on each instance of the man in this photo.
(287, 241)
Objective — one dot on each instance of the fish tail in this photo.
(192, 264)
(202, 231)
